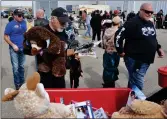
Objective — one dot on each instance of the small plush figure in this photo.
(141, 109)
(39, 40)
(32, 101)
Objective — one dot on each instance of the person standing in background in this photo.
(29, 23)
(110, 57)
(88, 18)
(96, 25)
(14, 36)
(40, 21)
(140, 45)
(160, 19)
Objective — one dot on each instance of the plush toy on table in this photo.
(39, 40)
(32, 101)
(142, 109)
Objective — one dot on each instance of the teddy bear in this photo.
(39, 40)
(32, 101)
(142, 109)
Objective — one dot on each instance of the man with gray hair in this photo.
(57, 25)
(40, 20)
(140, 45)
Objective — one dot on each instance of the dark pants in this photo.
(158, 96)
(96, 32)
(74, 80)
(50, 81)
(159, 24)
(110, 72)
(82, 22)
(137, 71)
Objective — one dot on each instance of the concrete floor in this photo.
(92, 69)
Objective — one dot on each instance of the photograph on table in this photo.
(84, 110)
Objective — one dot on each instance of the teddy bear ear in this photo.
(9, 94)
(41, 91)
(32, 81)
(8, 90)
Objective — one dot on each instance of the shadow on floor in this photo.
(95, 80)
(123, 70)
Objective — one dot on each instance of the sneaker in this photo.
(17, 87)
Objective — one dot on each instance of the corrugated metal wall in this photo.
(124, 5)
(161, 5)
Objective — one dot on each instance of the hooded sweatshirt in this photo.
(140, 40)
(109, 39)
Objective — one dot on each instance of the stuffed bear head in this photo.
(40, 38)
(31, 100)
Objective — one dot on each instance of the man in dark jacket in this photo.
(57, 25)
(96, 25)
(159, 19)
(40, 20)
(140, 45)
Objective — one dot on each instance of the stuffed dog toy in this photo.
(32, 101)
(142, 109)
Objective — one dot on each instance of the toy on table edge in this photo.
(142, 109)
(32, 101)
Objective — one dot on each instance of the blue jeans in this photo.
(17, 61)
(137, 71)
(88, 30)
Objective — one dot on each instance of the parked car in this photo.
(5, 14)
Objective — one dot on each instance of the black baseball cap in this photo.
(18, 12)
(61, 14)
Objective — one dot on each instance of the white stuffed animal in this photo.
(32, 101)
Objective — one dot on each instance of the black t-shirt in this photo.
(62, 35)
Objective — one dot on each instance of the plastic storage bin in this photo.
(162, 76)
(110, 99)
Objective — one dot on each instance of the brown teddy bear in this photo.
(32, 101)
(141, 109)
(39, 40)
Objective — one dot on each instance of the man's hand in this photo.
(122, 54)
(70, 52)
(15, 48)
(161, 53)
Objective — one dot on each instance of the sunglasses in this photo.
(20, 15)
(62, 23)
(148, 12)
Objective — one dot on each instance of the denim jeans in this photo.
(88, 30)
(136, 75)
(17, 61)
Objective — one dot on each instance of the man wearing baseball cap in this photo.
(13, 35)
(57, 25)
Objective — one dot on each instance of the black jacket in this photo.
(140, 40)
(41, 22)
(95, 22)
